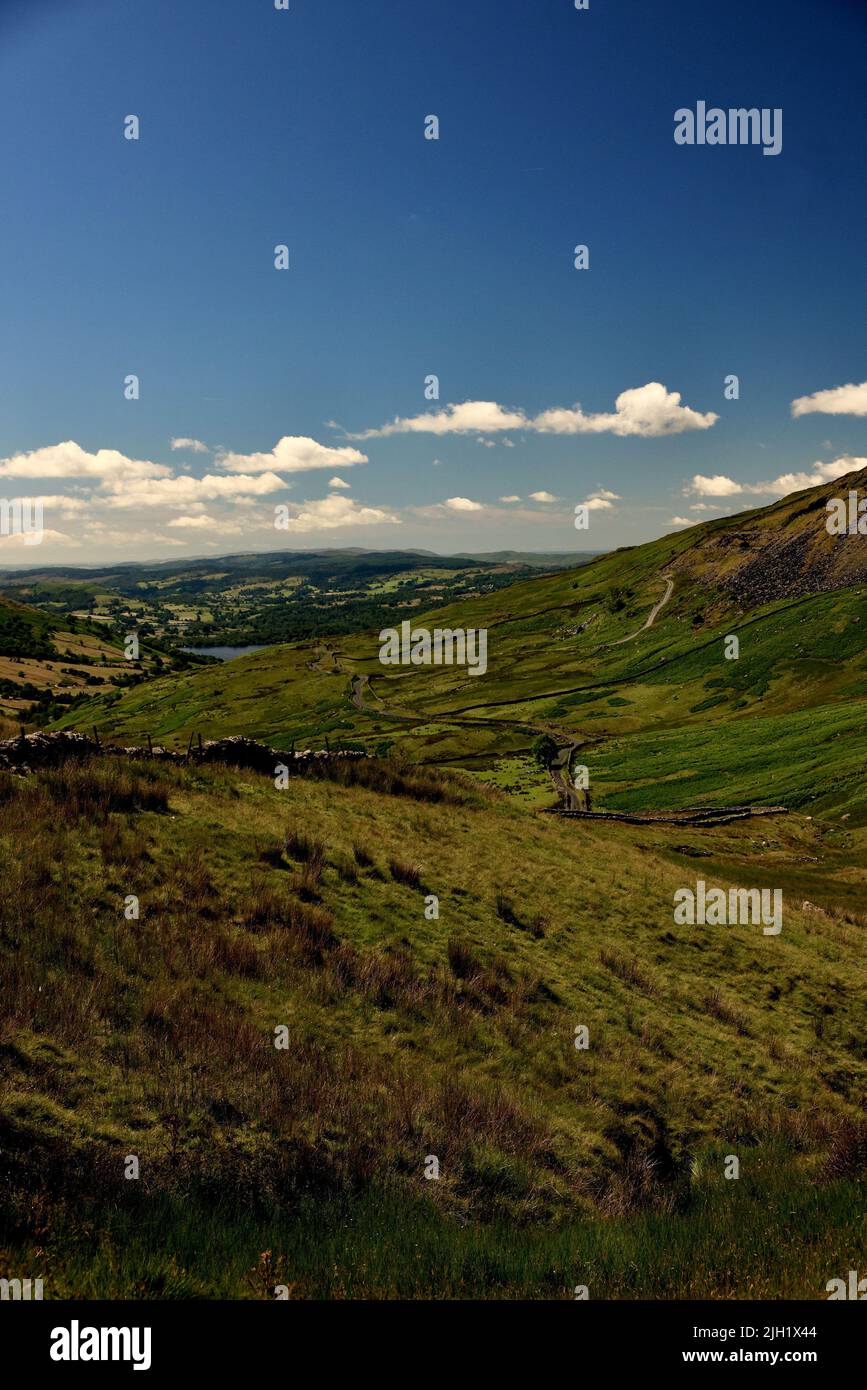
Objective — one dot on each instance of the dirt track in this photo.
(558, 774)
(651, 617)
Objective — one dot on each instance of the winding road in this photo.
(651, 617)
(559, 772)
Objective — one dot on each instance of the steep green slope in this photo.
(24, 632)
(408, 1036)
(572, 653)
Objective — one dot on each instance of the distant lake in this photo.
(223, 653)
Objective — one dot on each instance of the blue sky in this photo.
(410, 257)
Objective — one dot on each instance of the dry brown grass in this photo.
(628, 969)
(721, 1008)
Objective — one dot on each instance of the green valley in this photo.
(395, 1026)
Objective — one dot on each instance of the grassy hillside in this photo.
(412, 1035)
(407, 1037)
(569, 653)
(48, 660)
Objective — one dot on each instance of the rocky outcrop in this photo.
(794, 568)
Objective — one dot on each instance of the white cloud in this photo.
(181, 491)
(334, 511)
(598, 504)
(648, 411)
(202, 521)
(69, 460)
(485, 417)
(462, 504)
(680, 521)
(67, 506)
(838, 400)
(338, 483)
(820, 473)
(512, 497)
(717, 486)
(292, 454)
(603, 492)
(720, 486)
(25, 540)
(543, 497)
(194, 445)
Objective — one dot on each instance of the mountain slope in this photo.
(572, 653)
(407, 1035)
(414, 1035)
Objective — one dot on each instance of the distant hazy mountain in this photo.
(300, 562)
(536, 559)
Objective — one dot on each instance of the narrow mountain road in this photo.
(558, 772)
(651, 617)
(361, 687)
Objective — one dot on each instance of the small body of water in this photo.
(223, 653)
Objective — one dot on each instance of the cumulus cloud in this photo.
(292, 454)
(462, 504)
(69, 460)
(173, 506)
(200, 522)
(195, 446)
(717, 486)
(58, 502)
(819, 473)
(179, 492)
(512, 497)
(334, 511)
(648, 411)
(598, 504)
(543, 497)
(25, 539)
(680, 521)
(838, 400)
(720, 486)
(486, 417)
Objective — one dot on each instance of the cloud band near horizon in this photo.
(647, 412)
